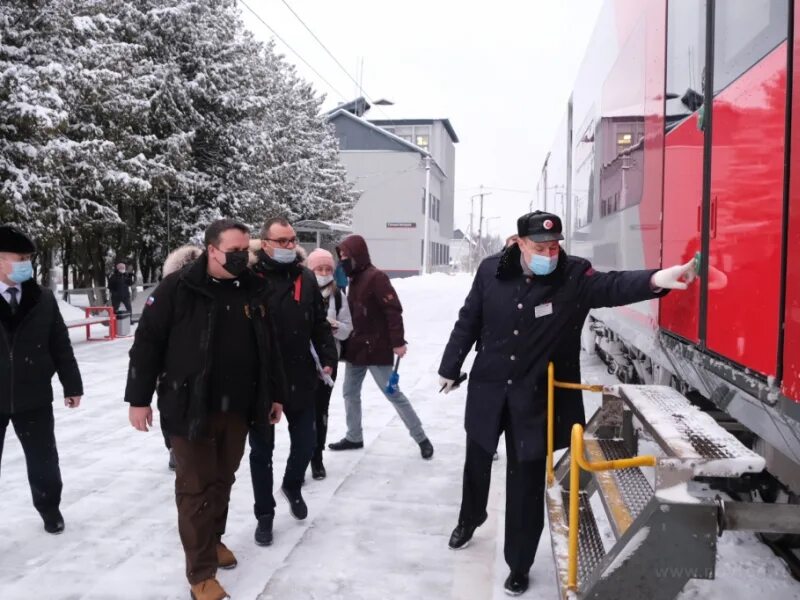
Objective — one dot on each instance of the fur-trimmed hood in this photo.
(179, 258)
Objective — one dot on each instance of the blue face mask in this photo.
(21, 271)
(543, 265)
(284, 256)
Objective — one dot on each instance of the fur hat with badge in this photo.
(13, 240)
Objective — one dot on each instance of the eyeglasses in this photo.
(283, 242)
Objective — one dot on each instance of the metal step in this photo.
(689, 435)
(625, 492)
(590, 543)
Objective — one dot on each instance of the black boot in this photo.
(264, 530)
(426, 449)
(345, 444)
(516, 584)
(463, 533)
(318, 469)
(296, 503)
(53, 522)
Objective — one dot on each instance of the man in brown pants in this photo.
(206, 344)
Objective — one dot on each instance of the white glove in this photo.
(447, 384)
(674, 278)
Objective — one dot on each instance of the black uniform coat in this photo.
(34, 345)
(172, 347)
(119, 284)
(515, 345)
(300, 318)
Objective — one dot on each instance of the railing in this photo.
(578, 462)
(99, 295)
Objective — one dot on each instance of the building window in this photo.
(423, 141)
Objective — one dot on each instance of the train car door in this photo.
(743, 215)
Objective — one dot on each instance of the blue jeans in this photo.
(353, 380)
(303, 441)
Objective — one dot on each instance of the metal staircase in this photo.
(660, 534)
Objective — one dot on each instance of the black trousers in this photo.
(35, 430)
(301, 435)
(117, 299)
(322, 403)
(525, 489)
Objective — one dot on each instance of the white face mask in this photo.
(323, 280)
(284, 255)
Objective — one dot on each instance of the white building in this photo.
(386, 161)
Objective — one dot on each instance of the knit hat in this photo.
(318, 258)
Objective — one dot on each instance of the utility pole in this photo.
(426, 240)
(471, 238)
(479, 248)
(169, 229)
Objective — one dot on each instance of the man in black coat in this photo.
(119, 287)
(207, 343)
(35, 345)
(526, 308)
(301, 319)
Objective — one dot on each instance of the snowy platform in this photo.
(378, 526)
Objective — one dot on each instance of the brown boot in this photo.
(225, 558)
(210, 589)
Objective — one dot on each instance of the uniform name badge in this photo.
(543, 310)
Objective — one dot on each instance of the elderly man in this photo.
(526, 308)
(35, 345)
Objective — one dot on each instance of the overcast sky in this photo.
(501, 71)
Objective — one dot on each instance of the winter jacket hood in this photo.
(179, 258)
(355, 247)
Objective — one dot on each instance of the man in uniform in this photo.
(527, 307)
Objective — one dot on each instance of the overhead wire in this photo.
(336, 60)
(295, 52)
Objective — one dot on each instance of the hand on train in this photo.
(140, 417)
(674, 278)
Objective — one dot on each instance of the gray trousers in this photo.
(353, 380)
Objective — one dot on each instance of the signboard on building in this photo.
(401, 225)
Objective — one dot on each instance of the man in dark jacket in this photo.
(119, 287)
(378, 336)
(206, 339)
(526, 308)
(301, 319)
(35, 346)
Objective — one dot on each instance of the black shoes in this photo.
(318, 470)
(345, 444)
(264, 530)
(426, 449)
(516, 584)
(53, 522)
(297, 505)
(171, 459)
(462, 534)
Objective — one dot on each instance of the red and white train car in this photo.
(682, 138)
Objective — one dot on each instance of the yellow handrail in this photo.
(578, 462)
(552, 384)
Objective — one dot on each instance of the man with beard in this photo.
(207, 339)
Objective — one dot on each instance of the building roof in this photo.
(446, 122)
(313, 225)
(356, 107)
(341, 112)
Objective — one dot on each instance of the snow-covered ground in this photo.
(378, 526)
